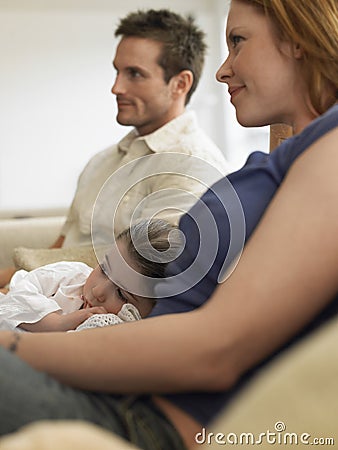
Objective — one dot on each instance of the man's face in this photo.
(144, 99)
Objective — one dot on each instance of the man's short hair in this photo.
(183, 42)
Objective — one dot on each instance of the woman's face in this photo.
(263, 73)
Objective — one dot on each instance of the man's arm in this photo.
(59, 242)
(6, 276)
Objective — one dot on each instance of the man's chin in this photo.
(122, 120)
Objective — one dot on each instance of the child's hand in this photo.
(56, 321)
(73, 320)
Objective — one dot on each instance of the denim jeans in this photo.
(27, 395)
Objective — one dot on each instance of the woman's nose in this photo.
(225, 71)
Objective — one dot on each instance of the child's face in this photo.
(99, 290)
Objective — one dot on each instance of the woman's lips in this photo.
(235, 90)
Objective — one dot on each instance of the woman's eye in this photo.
(235, 40)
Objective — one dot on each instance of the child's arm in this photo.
(31, 296)
(56, 321)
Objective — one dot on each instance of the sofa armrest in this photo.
(34, 232)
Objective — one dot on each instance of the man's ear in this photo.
(182, 82)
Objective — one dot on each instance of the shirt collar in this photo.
(163, 138)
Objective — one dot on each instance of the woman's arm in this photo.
(287, 274)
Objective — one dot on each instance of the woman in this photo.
(282, 67)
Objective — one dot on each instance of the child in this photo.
(70, 295)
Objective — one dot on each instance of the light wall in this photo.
(56, 109)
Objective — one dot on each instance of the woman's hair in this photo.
(151, 244)
(183, 42)
(313, 25)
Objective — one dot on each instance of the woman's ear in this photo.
(297, 50)
(182, 82)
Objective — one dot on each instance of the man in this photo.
(158, 63)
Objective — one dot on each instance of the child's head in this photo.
(150, 247)
(146, 247)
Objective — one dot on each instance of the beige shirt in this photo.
(161, 174)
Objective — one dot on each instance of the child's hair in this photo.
(183, 42)
(151, 244)
(313, 25)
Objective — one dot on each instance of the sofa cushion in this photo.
(30, 258)
(63, 435)
(295, 394)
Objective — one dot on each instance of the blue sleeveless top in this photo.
(219, 224)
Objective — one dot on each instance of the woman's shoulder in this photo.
(292, 148)
(320, 126)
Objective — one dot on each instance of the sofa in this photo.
(30, 228)
(25, 239)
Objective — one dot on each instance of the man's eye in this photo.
(134, 73)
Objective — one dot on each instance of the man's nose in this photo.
(118, 86)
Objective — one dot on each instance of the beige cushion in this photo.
(62, 435)
(35, 232)
(30, 258)
(298, 390)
